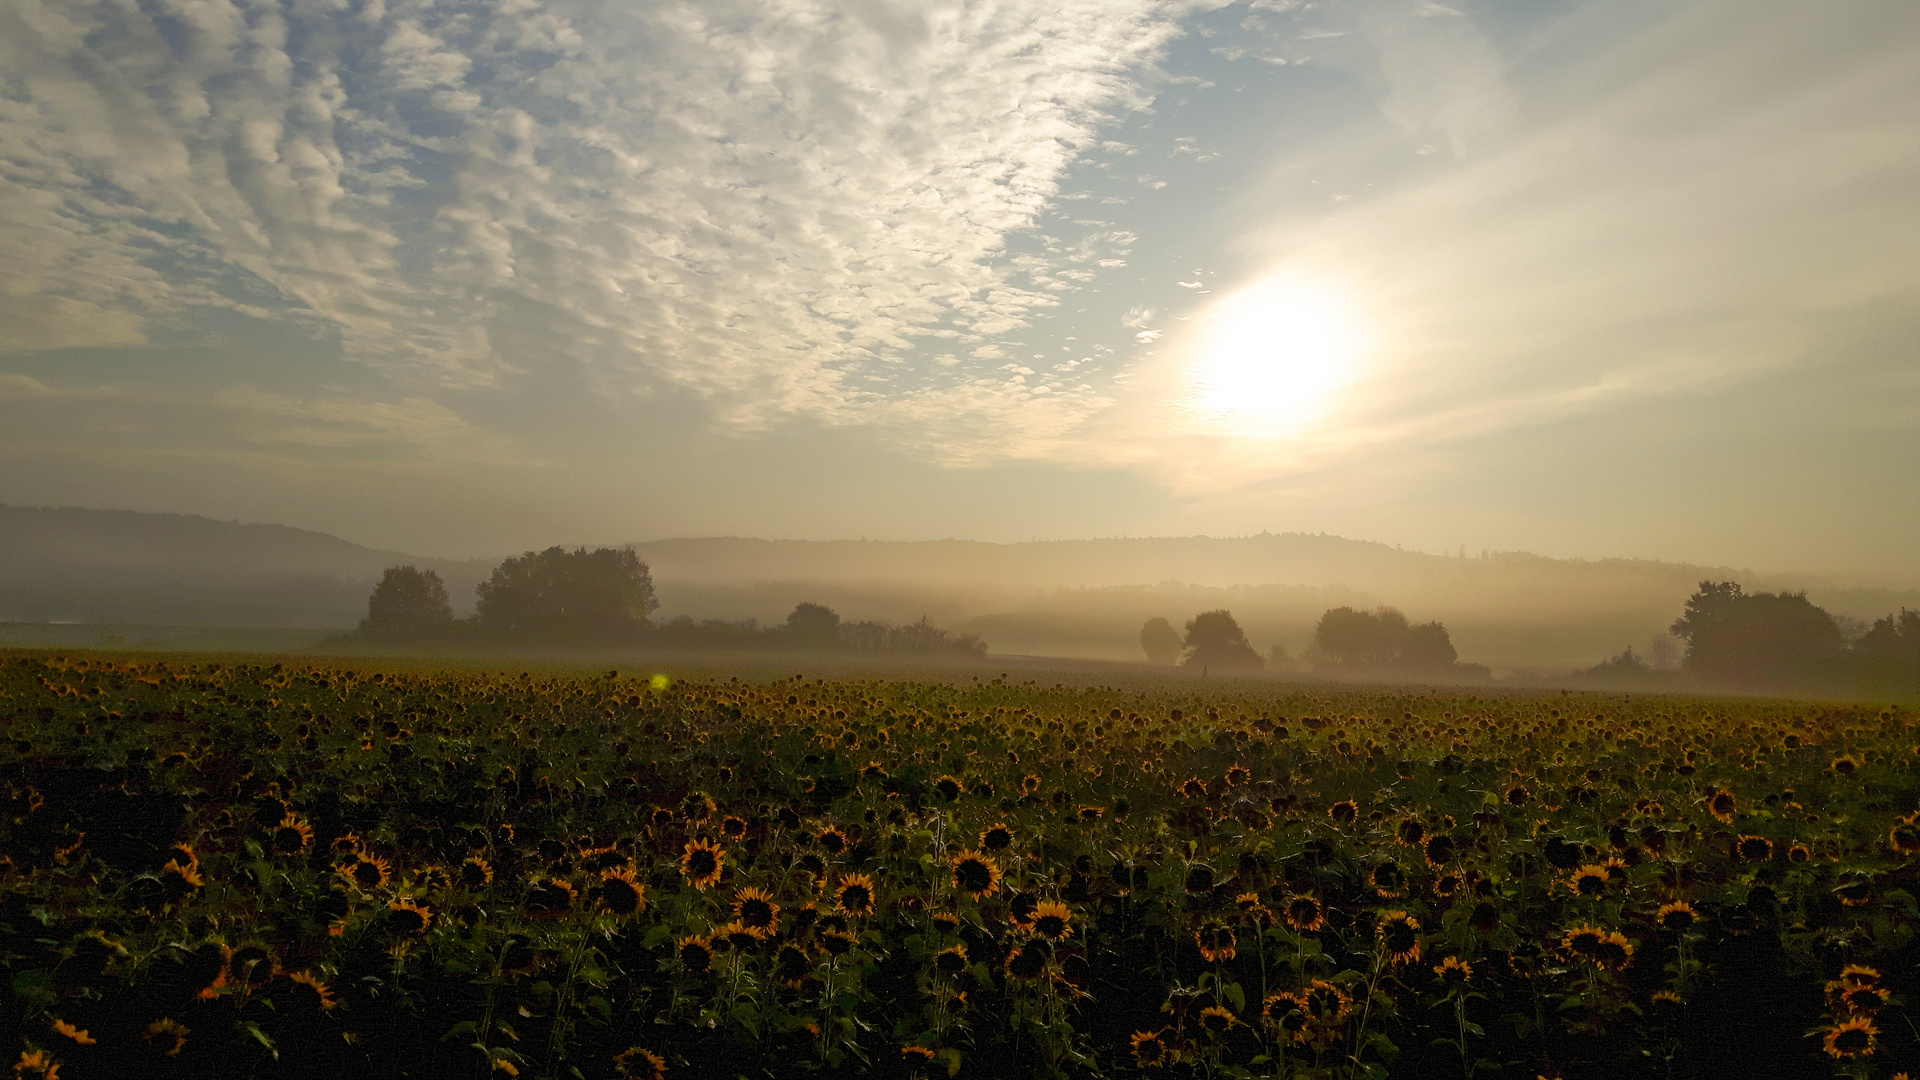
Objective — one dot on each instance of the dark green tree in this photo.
(408, 604)
(814, 627)
(1160, 641)
(1216, 644)
(560, 595)
(1382, 638)
(1763, 639)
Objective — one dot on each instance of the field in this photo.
(223, 869)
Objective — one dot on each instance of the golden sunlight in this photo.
(1267, 359)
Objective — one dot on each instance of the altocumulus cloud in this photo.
(773, 205)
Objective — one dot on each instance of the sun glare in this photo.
(1268, 358)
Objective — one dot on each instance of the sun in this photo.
(1267, 359)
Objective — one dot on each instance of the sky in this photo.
(1590, 279)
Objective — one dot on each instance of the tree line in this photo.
(1381, 643)
(605, 597)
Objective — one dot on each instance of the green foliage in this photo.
(408, 604)
(1215, 642)
(562, 595)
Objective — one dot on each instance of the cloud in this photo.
(757, 201)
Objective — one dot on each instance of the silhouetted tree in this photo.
(408, 604)
(1428, 646)
(1759, 638)
(605, 594)
(1383, 638)
(813, 626)
(1216, 643)
(1160, 641)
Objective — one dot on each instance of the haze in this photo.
(1585, 279)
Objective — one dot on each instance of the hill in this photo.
(1062, 598)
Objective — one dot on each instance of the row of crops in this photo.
(233, 870)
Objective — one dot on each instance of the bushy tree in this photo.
(556, 594)
(1216, 643)
(1382, 638)
(814, 627)
(409, 603)
(1757, 638)
(1160, 641)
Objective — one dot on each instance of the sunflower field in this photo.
(224, 869)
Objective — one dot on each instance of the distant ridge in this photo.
(125, 566)
(1066, 597)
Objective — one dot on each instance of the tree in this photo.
(1215, 642)
(407, 604)
(1383, 638)
(813, 626)
(604, 594)
(1160, 641)
(1761, 638)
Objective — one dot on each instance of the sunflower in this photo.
(1020, 908)
(1344, 813)
(1216, 942)
(975, 874)
(78, 1035)
(36, 1065)
(1053, 920)
(1614, 951)
(347, 844)
(949, 787)
(167, 1035)
(945, 921)
(733, 828)
(1389, 881)
(621, 894)
(854, 895)
(695, 952)
(1799, 853)
(551, 899)
(1583, 941)
(1678, 915)
(836, 942)
(1305, 914)
(755, 908)
(792, 966)
(1845, 765)
(1589, 880)
(365, 871)
(1410, 832)
(1030, 784)
(1905, 837)
(181, 879)
(408, 919)
(1516, 796)
(476, 872)
(633, 1063)
(1237, 774)
(1856, 999)
(739, 935)
(1399, 935)
(951, 960)
(293, 836)
(1721, 804)
(831, 840)
(1026, 962)
(253, 966)
(1447, 884)
(1453, 971)
(1215, 1020)
(1860, 975)
(916, 1055)
(1324, 1002)
(1149, 1048)
(1753, 848)
(996, 837)
(1438, 850)
(316, 990)
(1850, 1038)
(1191, 788)
(701, 862)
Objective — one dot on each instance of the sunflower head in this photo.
(1399, 936)
(1305, 914)
(1216, 942)
(1149, 1048)
(1589, 880)
(1678, 915)
(755, 908)
(1215, 1020)
(951, 960)
(1053, 920)
(1851, 1038)
(620, 893)
(854, 895)
(701, 862)
(975, 874)
(1453, 971)
(408, 919)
